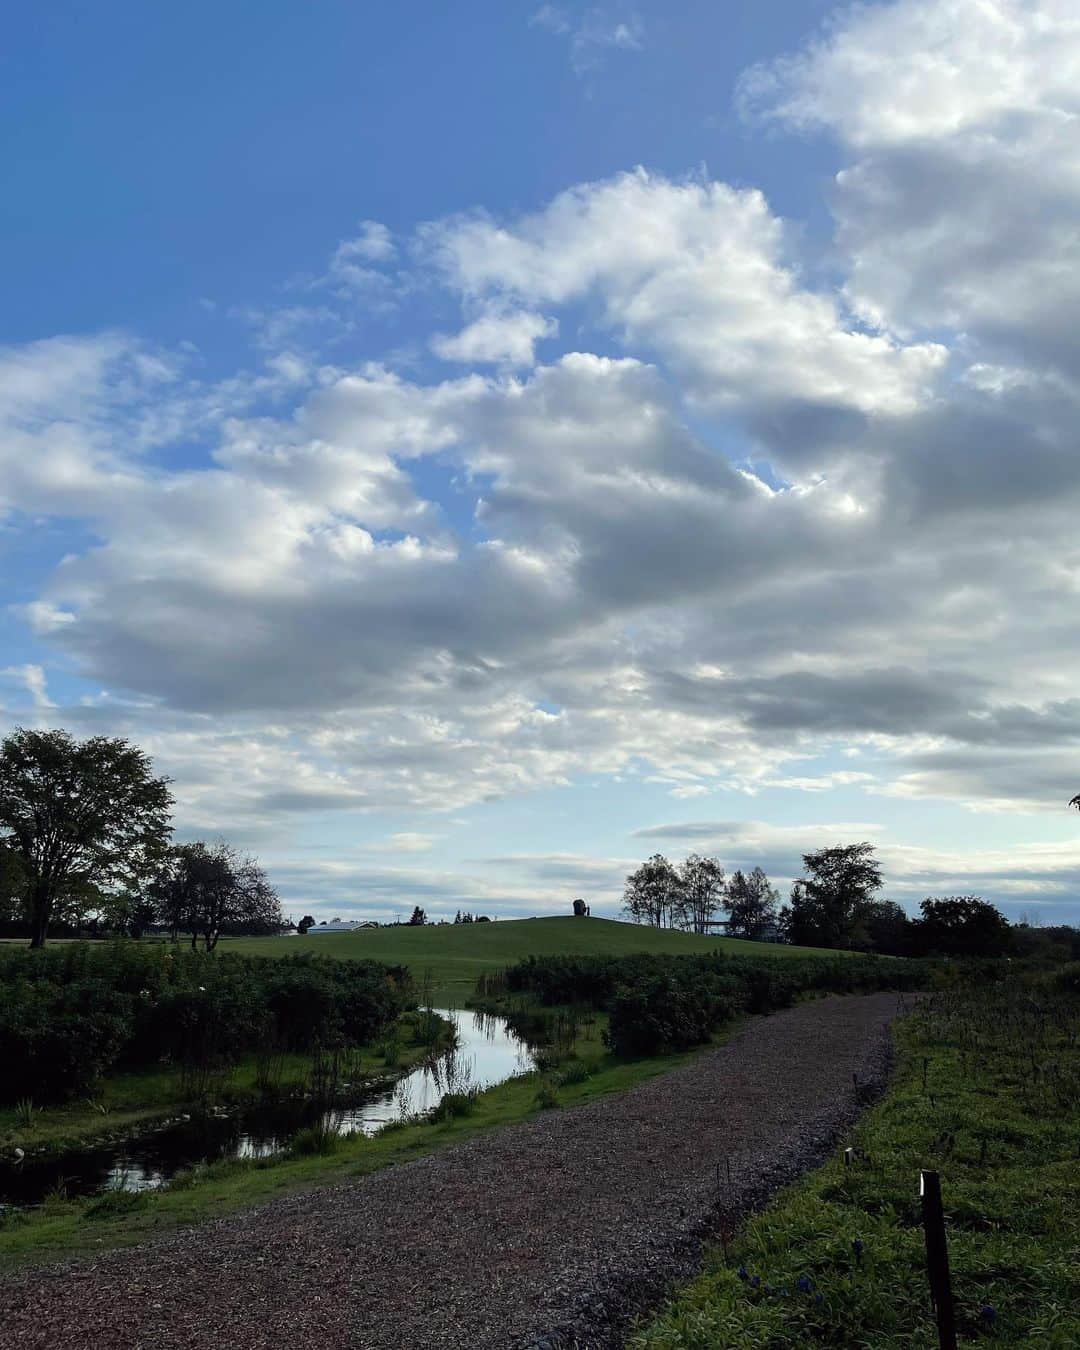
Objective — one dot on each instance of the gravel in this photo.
(546, 1235)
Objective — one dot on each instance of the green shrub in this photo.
(547, 1096)
(574, 1071)
(312, 1140)
(454, 1104)
(71, 1014)
(661, 1003)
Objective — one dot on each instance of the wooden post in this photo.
(849, 1156)
(937, 1258)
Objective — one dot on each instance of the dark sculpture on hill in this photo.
(581, 909)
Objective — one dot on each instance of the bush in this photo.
(455, 1104)
(662, 1003)
(71, 1014)
(576, 1071)
(314, 1140)
(547, 1097)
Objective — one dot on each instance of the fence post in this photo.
(937, 1258)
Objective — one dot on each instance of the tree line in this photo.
(835, 904)
(689, 896)
(86, 832)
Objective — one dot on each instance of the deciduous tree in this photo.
(962, 925)
(79, 814)
(702, 883)
(751, 904)
(206, 891)
(653, 893)
(829, 903)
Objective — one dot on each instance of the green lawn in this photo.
(457, 953)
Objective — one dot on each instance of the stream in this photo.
(486, 1052)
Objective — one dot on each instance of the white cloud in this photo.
(787, 519)
(501, 339)
(960, 208)
(701, 274)
(597, 30)
(32, 678)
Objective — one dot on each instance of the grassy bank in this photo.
(987, 1094)
(458, 954)
(65, 1228)
(124, 1103)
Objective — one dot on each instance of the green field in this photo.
(456, 954)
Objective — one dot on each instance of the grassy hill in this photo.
(457, 953)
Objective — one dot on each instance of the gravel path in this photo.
(546, 1234)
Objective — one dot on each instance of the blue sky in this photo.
(474, 447)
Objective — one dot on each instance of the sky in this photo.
(474, 447)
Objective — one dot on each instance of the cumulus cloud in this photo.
(502, 339)
(701, 274)
(958, 208)
(736, 520)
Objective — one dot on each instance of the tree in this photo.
(207, 891)
(887, 928)
(702, 883)
(962, 925)
(751, 904)
(78, 814)
(308, 921)
(418, 916)
(653, 894)
(828, 905)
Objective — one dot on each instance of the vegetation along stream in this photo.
(486, 1051)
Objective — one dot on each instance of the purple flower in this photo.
(857, 1247)
(804, 1284)
(755, 1281)
(988, 1313)
(742, 1273)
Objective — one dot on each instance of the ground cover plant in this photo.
(658, 1002)
(986, 1094)
(70, 1015)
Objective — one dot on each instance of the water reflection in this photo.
(486, 1052)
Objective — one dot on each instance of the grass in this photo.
(457, 954)
(71, 1228)
(986, 1094)
(127, 1102)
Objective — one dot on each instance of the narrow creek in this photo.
(486, 1052)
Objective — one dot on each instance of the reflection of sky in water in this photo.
(486, 1053)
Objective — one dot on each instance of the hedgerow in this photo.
(69, 1015)
(660, 1003)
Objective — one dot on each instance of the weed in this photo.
(314, 1139)
(454, 1104)
(547, 1095)
(114, 1204)
(574, 1071)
